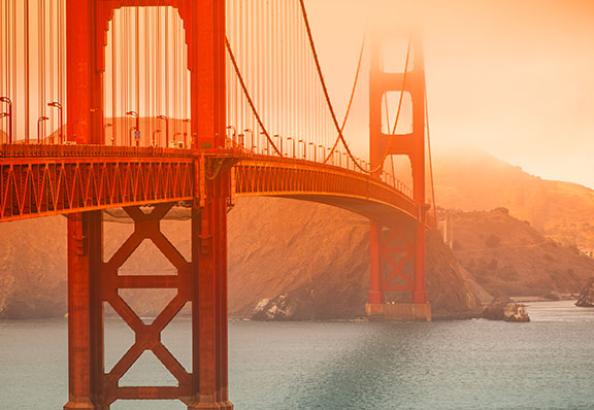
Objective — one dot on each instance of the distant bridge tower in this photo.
(94, 282)
(397, 251)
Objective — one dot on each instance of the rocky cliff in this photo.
(509, 257)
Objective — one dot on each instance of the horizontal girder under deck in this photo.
(39, 180)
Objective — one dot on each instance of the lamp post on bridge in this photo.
(136, 128)
(155, 132)
(186, 122)
(278, 138)
(8, 115)
(58, 106)
(337, 152)
(293, 141)
(304, 149)
(105, 127)
(166, 119)
(252, 145)
(330, 157)
(262, 133)
(175, 139)
(234, 135)
(315, 155)
(347, 160)
(40, 121)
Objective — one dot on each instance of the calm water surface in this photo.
(474, 364)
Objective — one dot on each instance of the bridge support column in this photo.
(398, 256)
(85, 325)
(375, 298)
(397, 269)
(209, 252)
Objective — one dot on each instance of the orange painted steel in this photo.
(383, 145)
(147, 336)
(83, 178)
(39, 181)
(206, 386)
(305, 180)
(47, 180)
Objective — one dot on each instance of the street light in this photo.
(234, 135)
(58, 106)
(39, 122)
(315, 151)
(155, 132)
(134, 114)
(186, 132)
(337, 152)
(175, 139)
(8, 115)
(105, 127)
(253, 146)
(293, 140)
(166, 118)
(280, 146)
(323, 158)
(4, 115)
(262, 133)
(304, 149)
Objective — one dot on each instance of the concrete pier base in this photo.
(406, 312)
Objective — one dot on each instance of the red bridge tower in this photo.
(397, 251)
(94, 282)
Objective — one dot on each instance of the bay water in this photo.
(470, 364)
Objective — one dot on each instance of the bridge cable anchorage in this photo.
(350, 104)
(430, 158)
(249, 98)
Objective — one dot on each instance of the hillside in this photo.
(475, 181)
(509, 257)
(318, 255)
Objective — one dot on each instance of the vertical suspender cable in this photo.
(137, 59)
(14, 40)
(41, 60)
(27, 78)
(113, 78)
(167, 60)
(61, 53)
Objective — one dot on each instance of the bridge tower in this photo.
(94, 282)
(397, 251)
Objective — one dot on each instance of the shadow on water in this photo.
(369, 370)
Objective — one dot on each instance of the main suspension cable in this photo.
(350, 104)
(249, 98)
(326, 94)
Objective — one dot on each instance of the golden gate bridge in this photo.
(155, 104)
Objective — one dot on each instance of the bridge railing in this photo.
(299, 150)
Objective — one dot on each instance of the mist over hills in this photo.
(476, 181)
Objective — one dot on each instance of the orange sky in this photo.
(514, 78)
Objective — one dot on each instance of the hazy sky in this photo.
(514, 78)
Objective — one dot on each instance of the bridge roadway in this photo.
(42, 180)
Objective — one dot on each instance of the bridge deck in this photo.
(41, 180)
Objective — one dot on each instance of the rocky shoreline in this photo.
(586, 296)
